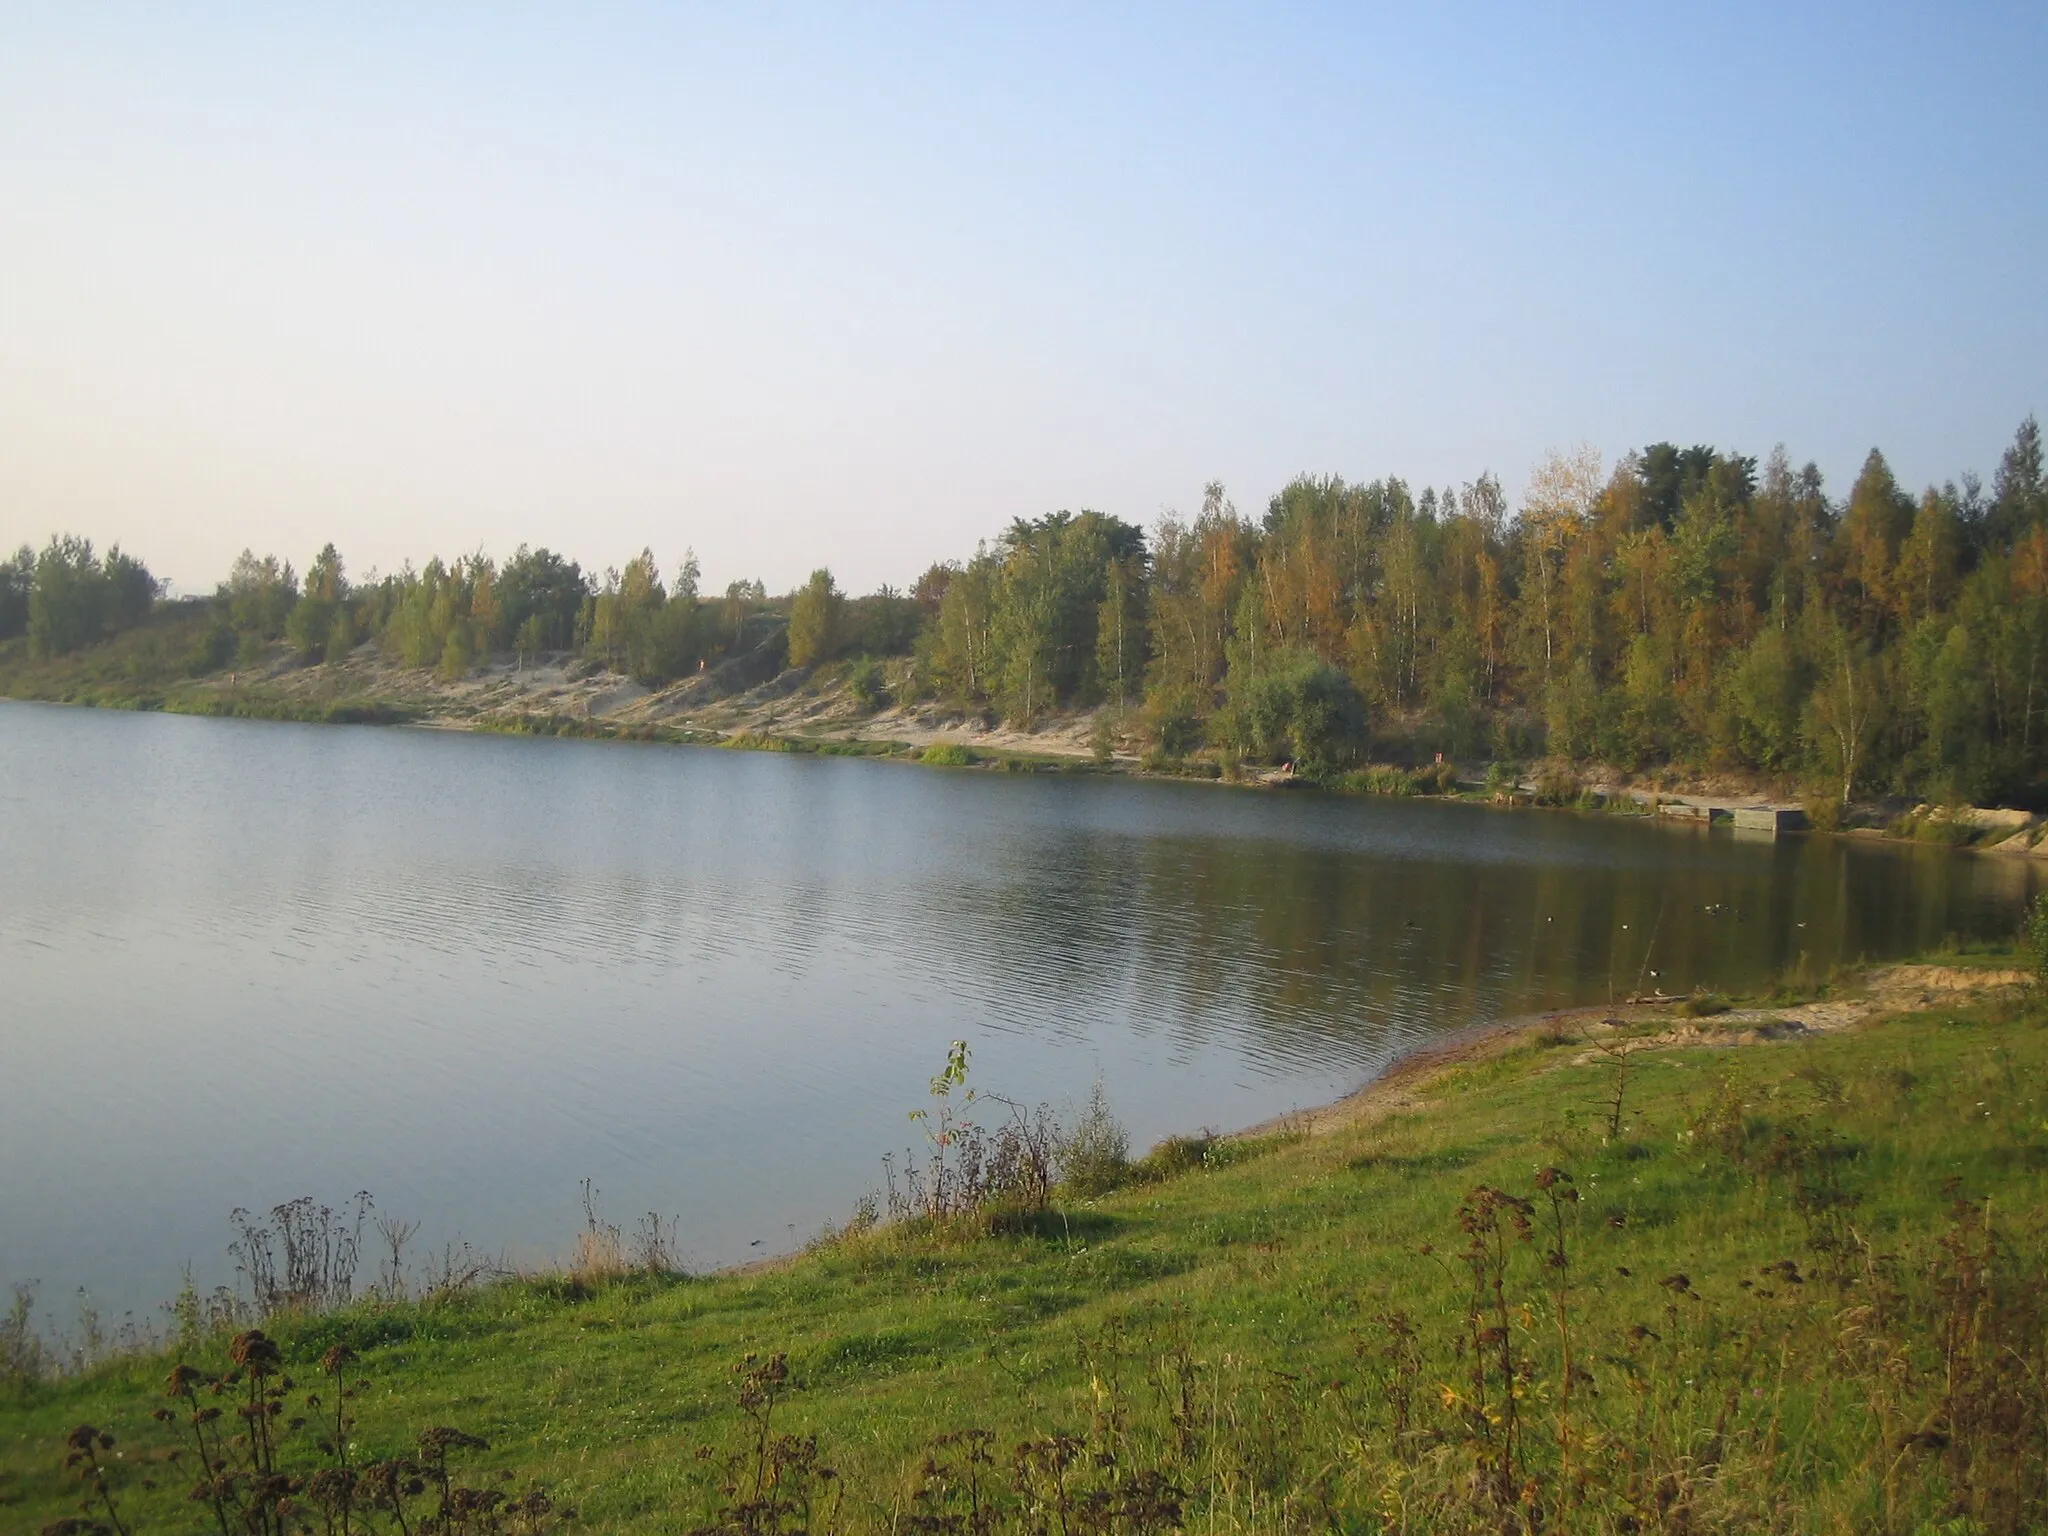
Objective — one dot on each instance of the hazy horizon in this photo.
(795, 287)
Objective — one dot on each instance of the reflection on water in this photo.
(244, 962)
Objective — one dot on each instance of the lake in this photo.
(242, 962)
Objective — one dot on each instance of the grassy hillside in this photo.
(135, 667)
(158, 665)
(1799, 1284)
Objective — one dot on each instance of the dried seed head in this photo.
(337, 1357)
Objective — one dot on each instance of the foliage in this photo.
(17, 590)
(24, 1357)
(540, 598)
(1298, 707)
(884, 623)
(972, 1169)
(1692, 607)
(73, 598)
(2034, 936)
(817, 621)
(868, 684)
(1095, 1152)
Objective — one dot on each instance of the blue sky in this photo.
(855, 285)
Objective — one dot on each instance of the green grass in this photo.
(1263, 1274)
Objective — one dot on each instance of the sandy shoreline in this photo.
(1875, 993)
(1402, 1086)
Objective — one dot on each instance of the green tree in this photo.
(1298, 708)
(606, 630)
(1051, 577)
(1924, 580)
(1846, 707)
(531, 639)
(1767, 688)
(17, 583)
(342, 636)
(458, 658)
(68, 598)
(326, 580)
(954, 649)
(816, 621)
(311, 626)
(1571, 710)
(1876, 522)
(259, 595)
(2019, 491)
(67, 605)
(215, 648)
(741, 599)
(130, 590)
(884, 623)
(1120, 629)
(1648, 718)
(667, 642)
(539, 587)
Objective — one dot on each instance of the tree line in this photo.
(1693, 607)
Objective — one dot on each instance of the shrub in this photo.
(1300, 708)
(947, 754)
(215, 649)
(24, 1358)
(1437, 779)
(870, 689)
(2033, 936)
(1557, 785)
(1094, 1156)
(1823, 812)
(1379, 780)
(1174, 722)
(1102, 740)
(1174, 1156)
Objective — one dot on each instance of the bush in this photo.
(309, 627)
(947, 754)
(1380, 779)
(1385, 779)
(24, 1358)
(216, 648)
(870, 689)
(1094, 1156)
(1437, 779)
(1174, 1156)
(1557, 785)
(1174, 722)
(1300, 709)
(1102, 740)
(2033, 936)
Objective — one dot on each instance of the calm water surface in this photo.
(243, 962)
